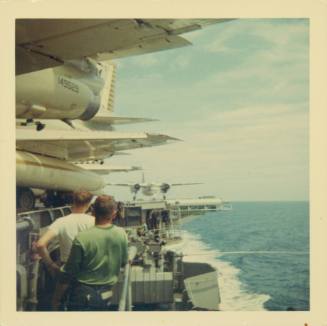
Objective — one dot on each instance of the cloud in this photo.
(242, 112)
(180, 62)
(258, 115)
(219, 44)
(278, 33)
(268, 131)
(283, 34)
(268, 73)
(145, 60)
(248, 145)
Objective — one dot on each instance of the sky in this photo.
(238, 98)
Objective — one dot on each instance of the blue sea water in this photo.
(261, 251)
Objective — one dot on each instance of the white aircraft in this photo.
(43, 95)
(67, 145)
(60, 62)
(62, 73)
(150, 188)
(68, 155)
(49, 162)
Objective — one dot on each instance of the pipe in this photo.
(125, 298)
(32, 299)
(23, 286)
(26, 224)
(22, 226)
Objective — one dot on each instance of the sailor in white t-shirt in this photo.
(65, 229)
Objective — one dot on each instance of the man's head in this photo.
(82, 199)
(104, 208)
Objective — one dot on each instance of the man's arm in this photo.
(67, 272)
(42, 249)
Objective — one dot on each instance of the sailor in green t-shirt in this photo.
(95, 260)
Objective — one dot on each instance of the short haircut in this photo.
(104, 206)
(81, 198)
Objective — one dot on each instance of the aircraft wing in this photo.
(106, 169)
(121, 184)
(84, 146)
(186, 184)
(46, 43)
(101, 122)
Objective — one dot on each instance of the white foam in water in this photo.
(233, 295)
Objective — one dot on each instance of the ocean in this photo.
(261, 252)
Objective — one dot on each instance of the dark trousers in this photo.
(89, 297)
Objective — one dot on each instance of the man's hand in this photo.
(41, 248)
(53, 269)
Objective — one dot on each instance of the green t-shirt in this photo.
(97, 255)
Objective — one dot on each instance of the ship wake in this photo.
(234, 294)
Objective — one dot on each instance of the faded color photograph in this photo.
(216, 218)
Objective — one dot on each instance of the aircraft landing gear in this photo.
(25, 199)
(39, 125)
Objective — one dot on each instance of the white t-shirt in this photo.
(66, 228)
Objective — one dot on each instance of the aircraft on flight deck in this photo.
(57, 162)
(69, 155)
(151, 188)
(63, 73)
(60, 62)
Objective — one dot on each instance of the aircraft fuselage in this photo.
(37, 171)
(64, 92)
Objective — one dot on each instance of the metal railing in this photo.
(125, 301)
(167, 232)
